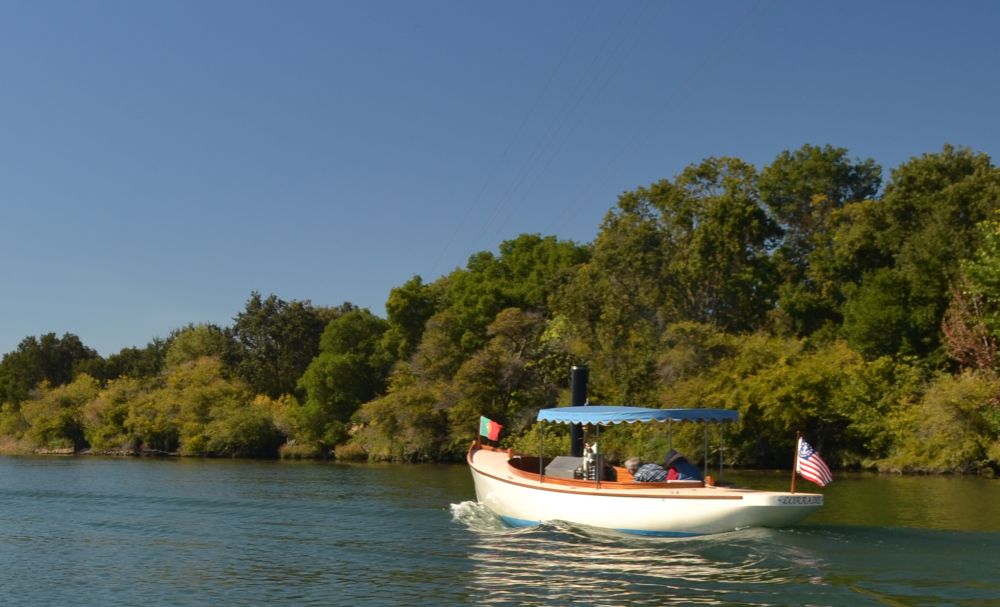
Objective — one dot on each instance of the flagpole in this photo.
(795, 464)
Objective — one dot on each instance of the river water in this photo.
(94, 531)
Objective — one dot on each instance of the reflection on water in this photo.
(560, 563)
(959, 503)
(563, 564)
(120, 533)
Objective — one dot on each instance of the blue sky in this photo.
(161, 160)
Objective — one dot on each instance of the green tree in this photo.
(277, 341)
(805, 190)
(982, 274)
(350, 369)
(195, 341)
(408, 423)
(504, 380)
(926, 224)
(48, 358)
(153, 422)
(695, 248)
(535, 268)
(408, 309)
(246, 429)
(137, 362)
(193, 409)
(471, 297)
(436, 329)
(440, 353)
(953, 427)
(104, 417)
(782, 385)
(878, 315)
(55, 417)
(199, 393)
(528, 272)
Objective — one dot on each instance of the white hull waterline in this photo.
(527, 490)
(683, 508)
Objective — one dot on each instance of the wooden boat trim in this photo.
(571, 482)
(606, 488)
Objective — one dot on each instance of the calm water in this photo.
(91, 531)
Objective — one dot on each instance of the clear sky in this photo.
(160, 160)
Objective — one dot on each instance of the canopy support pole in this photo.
(705, 460)
(541, 450)
(795, 464)
(578, 378)
(722, 446)
(597, 455)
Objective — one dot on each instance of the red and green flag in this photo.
(489, 428)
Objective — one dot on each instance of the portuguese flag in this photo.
(489, 428)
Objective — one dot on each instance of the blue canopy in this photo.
(608, 414)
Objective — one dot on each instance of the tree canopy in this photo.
(806, 293)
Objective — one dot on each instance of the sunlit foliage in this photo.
(803, 294)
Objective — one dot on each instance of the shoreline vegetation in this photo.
(806, 294)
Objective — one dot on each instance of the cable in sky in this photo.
(614, 70)
(604, 65)
(709, 62)
(510, 143)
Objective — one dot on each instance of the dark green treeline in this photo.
(807, 294)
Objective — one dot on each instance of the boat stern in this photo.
(773, 509)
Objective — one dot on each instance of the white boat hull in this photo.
(520, 500)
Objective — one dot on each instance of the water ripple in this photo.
(123, 532)
(562, 564)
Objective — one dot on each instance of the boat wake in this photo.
(557, 563)
(477, 517)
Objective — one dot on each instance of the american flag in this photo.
(811, 466)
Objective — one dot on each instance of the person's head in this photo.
(672, 458)
(632, 464)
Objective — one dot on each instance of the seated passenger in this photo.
(645, 473)
(679, 469)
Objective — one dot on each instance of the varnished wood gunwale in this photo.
(573, 482)
(605, 488)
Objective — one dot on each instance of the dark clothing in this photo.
(679, 468)
(682, 470)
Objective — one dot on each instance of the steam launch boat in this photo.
(526, 490)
